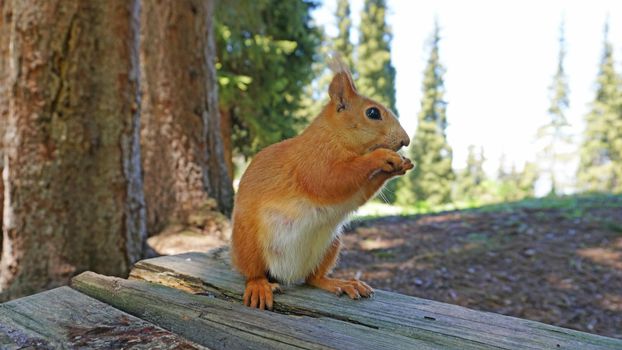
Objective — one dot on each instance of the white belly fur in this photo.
(297, 240)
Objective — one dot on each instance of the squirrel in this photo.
(295, 195)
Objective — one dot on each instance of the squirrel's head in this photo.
(363, 124)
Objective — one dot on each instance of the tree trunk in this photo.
(182, 147)
(5, 30)
(226, 129)
(73, 190)
(221, 186)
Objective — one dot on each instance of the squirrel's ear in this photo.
(341, 90)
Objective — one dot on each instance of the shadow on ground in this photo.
(557, 261)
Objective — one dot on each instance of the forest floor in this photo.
(558, 261)
(554, 260)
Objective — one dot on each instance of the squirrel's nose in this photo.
(403, 137)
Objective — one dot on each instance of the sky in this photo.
(500, 58)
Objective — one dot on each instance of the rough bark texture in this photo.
(73, 190)
(5, 30)
(389, 320)
(65, 319)
(183, 156)
(226, 129)
(221, 186)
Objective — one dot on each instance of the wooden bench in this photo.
(192, 301)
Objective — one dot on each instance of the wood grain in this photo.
(437, 324)
(222, 324)
(63, 318)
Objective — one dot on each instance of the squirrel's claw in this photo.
(354, 288)
(258, 293)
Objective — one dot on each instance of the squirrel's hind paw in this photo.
(354, 288)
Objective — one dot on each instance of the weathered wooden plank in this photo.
(63, 318)
(434, 322)
(222, 324)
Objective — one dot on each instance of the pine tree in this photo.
(71, 149)
(527, 180)
(505, 180)
(512, 192)
(469, 182)
(373, 69)
(502, 174)
(182, 151)
(614, 134)
(555, 135)
(315, 96)
(516, 185)
(600, 158)
(342, 43)
(376, 74)
(265, 49)
(432, 176)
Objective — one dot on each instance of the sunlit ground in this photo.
(557, 260)
(377, 209)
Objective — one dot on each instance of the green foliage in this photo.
(527, 180)
(374, 71)
(507, 185)
(265, 51)
(515, 185)
(573, 205)
(470, 183)
(600, 167)
(316, 94)
(432, 176)
(555, 135)
(342, 43)
(376, 74)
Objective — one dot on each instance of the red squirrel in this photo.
(296, 194)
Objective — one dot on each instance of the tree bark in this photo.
(72, 176)
(226, 129)
(183, 156)
(221, 186)
(5, 30)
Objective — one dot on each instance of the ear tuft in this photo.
(337, 65)
(342, 86)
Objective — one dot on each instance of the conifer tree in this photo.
(376, 74)
(516, 185)
(432, 176)
(342, 43)
(527, 180)
(502, 174)
(315, 97)
(555, 135)
(511, 185)
(373, 69)
(600, 158)
(265, 49)
(72, 158)
(504, 180)
(469, 182)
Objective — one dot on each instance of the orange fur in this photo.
(353, 288)
(295, 194)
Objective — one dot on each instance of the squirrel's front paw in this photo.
(392, 162)
(258, 293)
(406, 165)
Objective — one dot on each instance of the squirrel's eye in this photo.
(373, 113)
